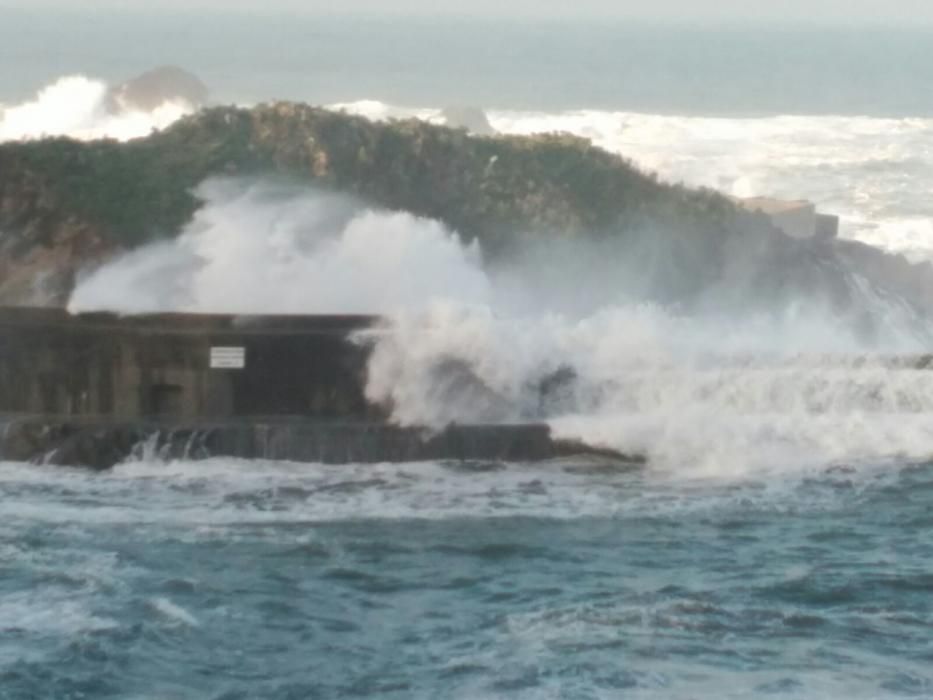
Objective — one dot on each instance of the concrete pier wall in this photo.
(181, 366)
(93, 390)
(100, 444)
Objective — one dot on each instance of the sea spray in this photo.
(697, 396)
(713, 389)
(268, 247)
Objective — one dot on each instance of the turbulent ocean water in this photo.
(562, 580)
(774, 545)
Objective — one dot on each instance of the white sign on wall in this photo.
(228, 358)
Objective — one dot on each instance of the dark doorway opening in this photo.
(166, 399)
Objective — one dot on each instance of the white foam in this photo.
(532, 638)
(174, 613)
(257, 247)
(49, 611)
(698, 396)
(375, 110)
(75, 106)
(233, 499)
(722, 395)
(717, 395)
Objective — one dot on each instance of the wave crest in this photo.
(78, 107)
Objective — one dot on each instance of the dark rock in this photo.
(473, 119)
(454, 384)
(154, 88)
(556, 391)
(97, 448)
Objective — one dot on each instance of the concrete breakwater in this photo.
(95, 389)
(101, 444)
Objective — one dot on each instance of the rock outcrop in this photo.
(473, 119)
(65, 205)
(154, 88)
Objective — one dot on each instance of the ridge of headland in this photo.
(67, 205)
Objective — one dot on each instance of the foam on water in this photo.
(796, 383)
(174, 613)
(221, 496)
(566, 579)
(48, 611)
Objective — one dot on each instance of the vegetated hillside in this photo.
(65, 205)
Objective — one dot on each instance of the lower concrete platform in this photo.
(103, 443)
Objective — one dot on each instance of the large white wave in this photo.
(264, 247)
(467, 343)
(796, 383)
(76, 107)
(696, 394)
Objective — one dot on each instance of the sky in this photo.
(904, 12)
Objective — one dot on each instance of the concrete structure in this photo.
(181, 366)
(797, 218)
(93, 389)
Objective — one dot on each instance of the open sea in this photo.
(776, 548)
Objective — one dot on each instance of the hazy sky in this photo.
(835, 11)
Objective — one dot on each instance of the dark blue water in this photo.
(755, 68)
(246, 579)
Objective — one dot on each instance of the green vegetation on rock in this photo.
(106, 196)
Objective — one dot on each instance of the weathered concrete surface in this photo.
(135, 367)
(101, 444)
(93, 390)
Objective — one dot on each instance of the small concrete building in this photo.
(181, 366)
(96, 389)
(797, 218)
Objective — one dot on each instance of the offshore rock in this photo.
(156, 87)
(473, 119)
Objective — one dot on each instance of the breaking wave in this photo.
(266, 247)
(743, 388)
(77, 107)
(697, 396)
(555, 580)
(792, 383)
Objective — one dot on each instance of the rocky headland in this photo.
(66, 206)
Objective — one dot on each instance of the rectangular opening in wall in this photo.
(166, 400)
